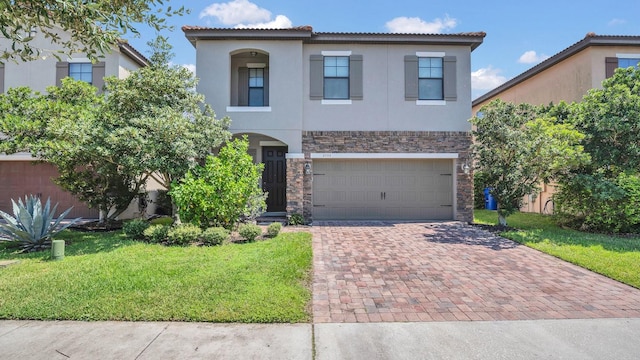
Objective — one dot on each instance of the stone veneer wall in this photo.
(295, 185)
(392, 142)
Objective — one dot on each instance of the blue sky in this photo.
(519, 34)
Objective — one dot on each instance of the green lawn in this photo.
(617, 257)
(107, 277)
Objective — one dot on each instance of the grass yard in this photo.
(105, 276)
(617, 257)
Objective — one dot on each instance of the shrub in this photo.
(479, 184)
(296, 219)
(134, 229)
(156, 233)
(249, 232)
(274, 229)
(32, 225)
(594, 203)
(222, 191)
(214, 236)
(183, 234)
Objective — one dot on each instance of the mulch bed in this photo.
(98, 226)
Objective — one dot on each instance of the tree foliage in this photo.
(604, 195)
(150, 125)
(222, 191)
(94, 27)
(517, 147)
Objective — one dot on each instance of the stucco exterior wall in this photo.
(283, 121)
(383, 107)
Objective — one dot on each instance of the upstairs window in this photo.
(336, 77)
(81, 71)
(627, 62)
(430, 84)
(256, 87)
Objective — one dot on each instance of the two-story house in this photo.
(348, 125)
(19, 175)
(567, 75)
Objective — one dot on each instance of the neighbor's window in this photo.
(430, 79)
(256, 87)
(81, 71)
(625, 63)
(336, 77)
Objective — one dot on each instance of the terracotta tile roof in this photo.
(590, 39)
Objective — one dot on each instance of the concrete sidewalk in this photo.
(551, 339)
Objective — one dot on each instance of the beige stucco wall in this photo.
(568, 80)
(383, 107)
(284, 119)
(41, 73)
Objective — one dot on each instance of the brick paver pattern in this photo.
(384, 271)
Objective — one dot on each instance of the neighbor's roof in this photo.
(132, 53)
(591, 39)
(307, 35)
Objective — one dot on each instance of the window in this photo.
(430, 84)
(430, 78)
(81, 71)
(336, 77)
(256, 87)
(626, 62)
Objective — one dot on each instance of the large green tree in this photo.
(517, 147)
(604, 195)
(151, 125)
(94, 26)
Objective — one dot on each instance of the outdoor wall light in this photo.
(307, 168)
(465, 168)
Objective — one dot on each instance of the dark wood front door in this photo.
(274, 177)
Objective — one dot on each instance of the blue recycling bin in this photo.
(490, 202)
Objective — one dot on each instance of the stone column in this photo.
(295, 179)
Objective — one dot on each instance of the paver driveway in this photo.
(383, 271)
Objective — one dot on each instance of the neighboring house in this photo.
(348, 125)
(567, 75)
(19, 175)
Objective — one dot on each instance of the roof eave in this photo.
(132, 53)
(589, 40)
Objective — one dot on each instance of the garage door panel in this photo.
(395, 189)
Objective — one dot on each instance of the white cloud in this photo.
(280, 22)
(531, 57)
(486, 78)
(416, 25)
(244, 14)
(615, 22)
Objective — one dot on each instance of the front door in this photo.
(274, 177)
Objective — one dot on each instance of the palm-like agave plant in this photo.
(32, 226)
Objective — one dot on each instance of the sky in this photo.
(519, 34)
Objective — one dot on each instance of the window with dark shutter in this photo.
(336, 77)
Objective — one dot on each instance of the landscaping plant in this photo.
(249, 232)
(274, 229)
(32, 226)
(183, 234)
(156, 233)
(222, 191)
(134, 229)
(214, 236)
(296, 219)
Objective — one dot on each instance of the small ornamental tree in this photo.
(517, 148)
(222, 191)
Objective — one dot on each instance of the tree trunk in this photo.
(175, 214)
(502, 220)
(102, 216)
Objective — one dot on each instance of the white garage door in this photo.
(389, 189)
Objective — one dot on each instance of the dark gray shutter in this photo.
(411, 77)
(355, 77)
(316, 77)
(266, 86)
(243, 86)
(1, 78)
(450, 81)
(62, 71)
(611, 64)
(97, 75)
